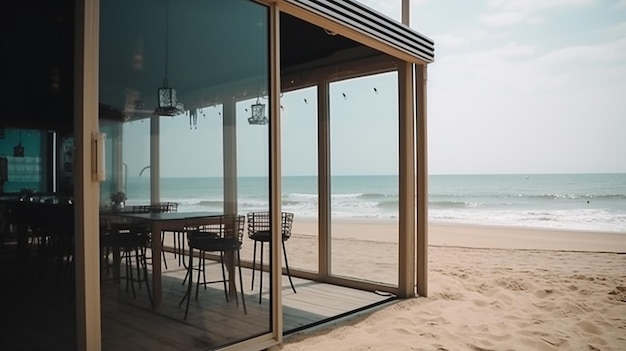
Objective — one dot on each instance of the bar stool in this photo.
(131, 240)
(223, 234)
(259, 231)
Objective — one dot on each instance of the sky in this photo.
(523, 86)
(517, 87)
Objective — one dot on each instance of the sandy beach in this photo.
(490, 288)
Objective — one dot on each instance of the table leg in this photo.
(116, 264)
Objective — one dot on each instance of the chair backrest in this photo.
(155, 208)
(127, 235)
(260, 221)
(164, 207)
(217, 227)
(234, 227)
(287, 221)
(172, 206)
(140, 209)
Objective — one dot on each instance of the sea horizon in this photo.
(577, 201)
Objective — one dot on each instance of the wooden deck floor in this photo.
(38, 308)
(212, 321)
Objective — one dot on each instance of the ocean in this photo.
(594, 202)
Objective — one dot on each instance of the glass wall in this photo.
(364, 178)
(177, 167)
(300, 175)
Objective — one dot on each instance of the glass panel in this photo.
(364, 180)
(300, 180)
(37, 297)
(184, 169)
(253, 194)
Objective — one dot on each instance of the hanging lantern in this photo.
(168, 106)
(258, 114)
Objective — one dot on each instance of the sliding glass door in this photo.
(178, 83)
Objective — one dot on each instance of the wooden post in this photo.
(422, 181)
(406, 182)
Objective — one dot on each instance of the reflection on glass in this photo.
(37, 273)
(205, 162)
(36, 242)
(24, 161)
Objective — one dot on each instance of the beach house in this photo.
(170, 123)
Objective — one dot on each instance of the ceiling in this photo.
(211, 54)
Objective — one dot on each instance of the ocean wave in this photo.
(376, 196)
(452, 204)
(388, 205)
(210, 203)
(531, 196)
(351, 215)
(581, 219)
(575, 196)
(346, 196)
(300, 196)
(297, 203)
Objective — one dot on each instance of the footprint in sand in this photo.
(618, 294)
(589, 327)
(452, 296)
(543, 293)
(480, 303)
(512, 284)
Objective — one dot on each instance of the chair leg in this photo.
(223, 276)
(126, 268)
(138, 265)
(243, 299)
(129, 273)
(261, 274)
(200, 268)
(175, 243)
(144, 263)
(181, 248)
(253, 265)
(203, 270)
(287, 266)
(190, 273)
(186, 276)
(163, 251)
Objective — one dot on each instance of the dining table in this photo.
(160, 222)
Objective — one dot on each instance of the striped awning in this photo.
(369, 22)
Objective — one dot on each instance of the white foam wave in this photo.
(580, 219)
